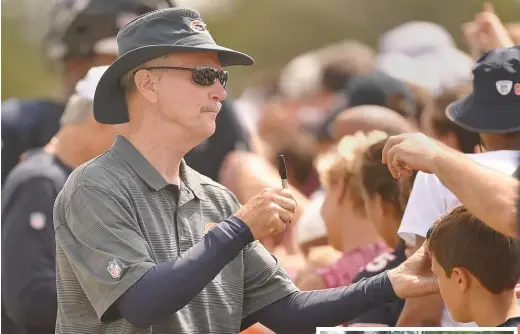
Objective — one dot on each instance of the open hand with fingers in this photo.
(267, 213)
(414, 278)
(411, 151)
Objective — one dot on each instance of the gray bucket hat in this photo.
(149, 36)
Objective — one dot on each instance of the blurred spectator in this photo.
(311, 229)
(385, 200)
(313, 82)
(371, 89)
(81, 35)
(370, 117)
(348, 228)
(434, 122)
(409, 38)
(433, 63)
(28, 248)
(486, 32)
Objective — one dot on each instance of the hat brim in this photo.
(109, 99)
(483, 116)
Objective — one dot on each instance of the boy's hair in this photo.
(460, 239)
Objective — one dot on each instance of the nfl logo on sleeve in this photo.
(114, 269)
(37, 220)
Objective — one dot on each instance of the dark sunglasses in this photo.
(204, 76)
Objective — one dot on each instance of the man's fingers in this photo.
(286, 203)
(390, 143)
(285, 216)
(394, 162)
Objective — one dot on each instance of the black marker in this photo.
(282, 170)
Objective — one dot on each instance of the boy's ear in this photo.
(462, 278)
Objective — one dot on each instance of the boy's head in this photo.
(471, 261)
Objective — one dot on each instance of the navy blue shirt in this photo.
(512, 322)
(28, 247)
(387, 313)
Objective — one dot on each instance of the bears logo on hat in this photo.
(198, 26)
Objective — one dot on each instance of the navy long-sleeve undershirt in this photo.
(143, 304)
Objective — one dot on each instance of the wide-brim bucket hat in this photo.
(150, 36)
(494, 104)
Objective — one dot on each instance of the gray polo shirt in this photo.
(117, 217)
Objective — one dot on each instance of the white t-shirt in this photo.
(430, 200)
(311, 225)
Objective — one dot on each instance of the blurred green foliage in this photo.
(272, 31)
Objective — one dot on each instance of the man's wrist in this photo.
(441, 160)
(393, 277)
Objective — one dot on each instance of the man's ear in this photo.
(462, 278)
(146, 85)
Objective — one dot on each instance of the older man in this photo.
(145, 244)
(28, 249)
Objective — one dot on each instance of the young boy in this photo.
(477, 269)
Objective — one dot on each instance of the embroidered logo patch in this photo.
(504, 86)
(37, 220)
(114, 269)
(198, 26)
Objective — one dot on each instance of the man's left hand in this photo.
(414, 278)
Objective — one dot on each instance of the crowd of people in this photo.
(398, 155)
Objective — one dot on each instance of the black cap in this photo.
(494, 104)
(79, 28)
(150, 36)
(376, 88)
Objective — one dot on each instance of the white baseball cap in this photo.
(79, 106)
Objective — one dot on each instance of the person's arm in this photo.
(302, 312)
(469, 181)
(28, 254)
(111, 259)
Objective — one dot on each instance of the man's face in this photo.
(453, 291)
(184, 104)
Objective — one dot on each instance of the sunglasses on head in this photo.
(204, 76)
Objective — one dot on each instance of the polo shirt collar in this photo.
(149, 174)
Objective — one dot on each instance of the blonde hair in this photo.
(343, 162)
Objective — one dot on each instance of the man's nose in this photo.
(218, 93)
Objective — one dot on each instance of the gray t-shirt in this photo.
(117, 217)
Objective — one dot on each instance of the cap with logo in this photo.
(494, 104)
(149, 36)
(79, 28)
